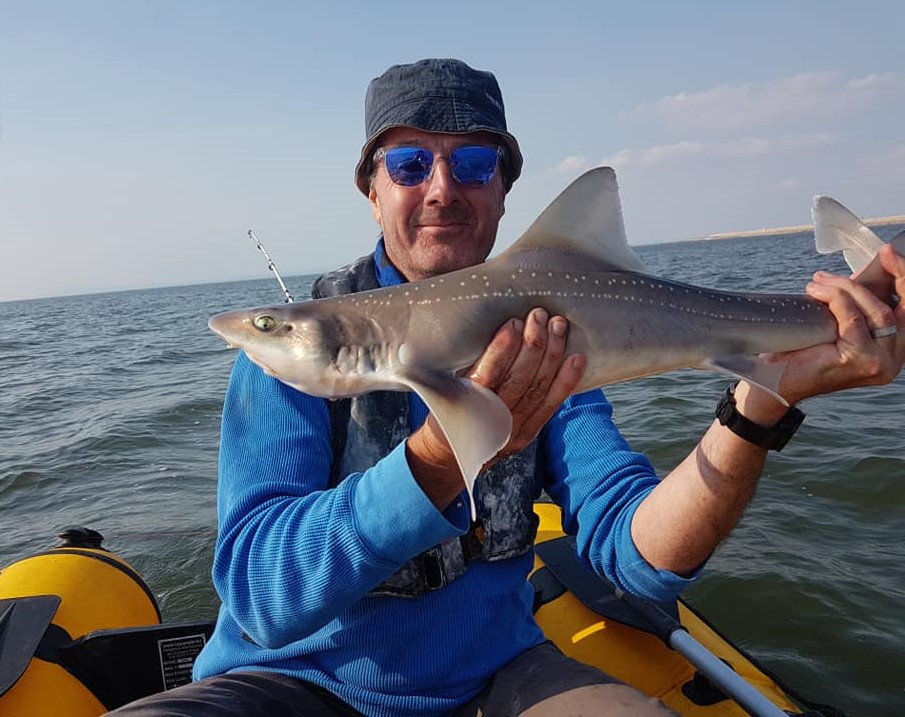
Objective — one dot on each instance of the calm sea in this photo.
(109, 416)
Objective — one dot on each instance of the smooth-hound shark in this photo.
(575, 261)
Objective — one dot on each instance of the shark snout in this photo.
(237, 328)
(223, 324)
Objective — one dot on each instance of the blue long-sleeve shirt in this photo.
(295, 560)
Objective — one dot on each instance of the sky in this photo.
(141, 140)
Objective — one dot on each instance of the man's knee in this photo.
(543, 681)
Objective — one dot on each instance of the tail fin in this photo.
(837, 229)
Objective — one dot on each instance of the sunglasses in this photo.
(409, 166)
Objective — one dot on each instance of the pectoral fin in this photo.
(474, 420)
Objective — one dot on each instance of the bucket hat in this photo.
(435, 95)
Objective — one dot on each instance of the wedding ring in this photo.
(890, 330)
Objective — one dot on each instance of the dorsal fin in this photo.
(585, 220)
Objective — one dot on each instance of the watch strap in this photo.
(773, 438)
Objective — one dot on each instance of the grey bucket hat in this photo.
(435, 95)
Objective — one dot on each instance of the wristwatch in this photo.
(774, 438)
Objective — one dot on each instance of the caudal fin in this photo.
(837, 229)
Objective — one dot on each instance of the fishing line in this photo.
(271, 265)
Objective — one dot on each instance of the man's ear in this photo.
(375, 205)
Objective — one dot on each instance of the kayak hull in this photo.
(89, 637)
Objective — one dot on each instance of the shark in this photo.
(575, 261)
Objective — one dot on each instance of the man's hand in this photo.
(524, 366)
(696, 506)
(857, 358)
(528, 372)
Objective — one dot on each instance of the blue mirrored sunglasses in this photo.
(409, 166)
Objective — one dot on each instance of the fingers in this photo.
(522, 357)
(530, 416)
(533, 369)
(894, 263)
(525, 365)
(855, 307)
(493, 365)
(539, 378)
(858, 357)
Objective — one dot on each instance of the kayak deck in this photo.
(635, 655)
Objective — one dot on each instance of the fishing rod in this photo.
(271, 265)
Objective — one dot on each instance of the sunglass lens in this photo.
(474, 165)
(408, 166)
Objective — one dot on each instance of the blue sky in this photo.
(139, 141)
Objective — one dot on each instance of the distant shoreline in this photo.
(876, 221)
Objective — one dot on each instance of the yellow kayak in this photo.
(81, 633)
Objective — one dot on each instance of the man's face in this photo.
(439, 225)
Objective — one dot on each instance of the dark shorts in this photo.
(530, 678)
(249, 694)
(533, 677)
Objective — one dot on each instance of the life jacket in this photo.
(366, 428)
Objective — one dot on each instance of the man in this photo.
(351, 577)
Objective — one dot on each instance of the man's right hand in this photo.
(526, 368)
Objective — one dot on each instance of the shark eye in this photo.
(265, 322)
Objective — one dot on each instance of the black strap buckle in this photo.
(473, 542)
(432, 569)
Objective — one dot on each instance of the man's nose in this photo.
(441, 185)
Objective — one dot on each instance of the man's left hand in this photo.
(857, 358)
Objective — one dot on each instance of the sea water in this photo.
(109, 417)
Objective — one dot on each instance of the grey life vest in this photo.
(366, 428)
